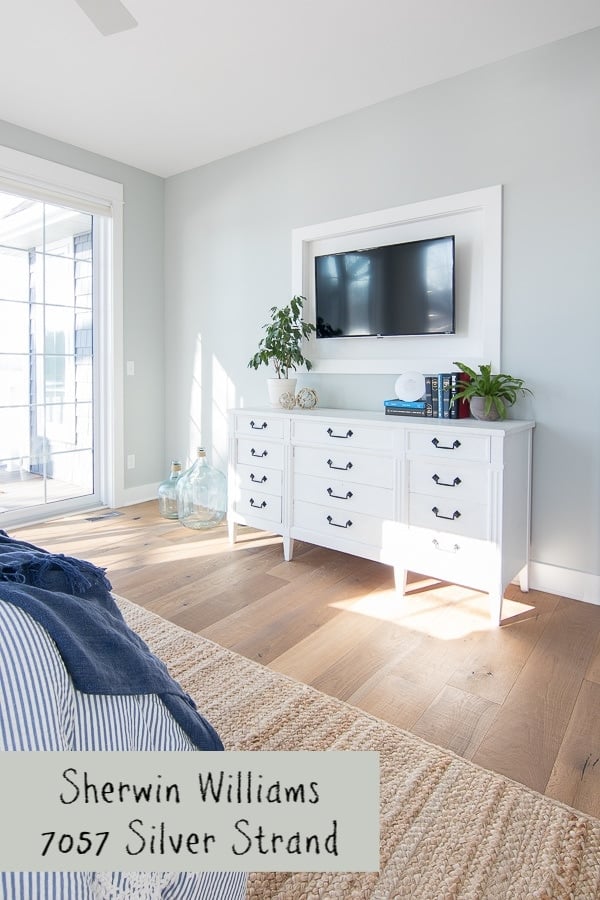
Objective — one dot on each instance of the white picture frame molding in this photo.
(475, 218)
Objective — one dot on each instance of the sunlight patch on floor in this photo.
(205, 545)
(443, 611)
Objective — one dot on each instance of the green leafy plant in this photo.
(281, 345)
(499, 390)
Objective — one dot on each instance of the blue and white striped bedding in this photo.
(40, 709)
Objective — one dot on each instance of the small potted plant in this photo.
(281, 346)
(488, 395)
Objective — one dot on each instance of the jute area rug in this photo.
(448, 828)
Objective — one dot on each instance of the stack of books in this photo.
(436, 402)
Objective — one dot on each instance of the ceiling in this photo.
(196, 81)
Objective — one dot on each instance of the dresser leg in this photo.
(288, 548)
(231, 531)
(524, 579)
(496, 598)
(400, 580)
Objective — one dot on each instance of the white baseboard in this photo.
(566, 582)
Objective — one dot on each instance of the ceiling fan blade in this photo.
(109, 16)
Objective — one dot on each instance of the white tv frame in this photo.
(475, 218)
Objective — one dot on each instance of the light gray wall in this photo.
(530, 123)
(143, 294)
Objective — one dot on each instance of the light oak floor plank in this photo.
(456, 720)
(575, 776)
(526, 736)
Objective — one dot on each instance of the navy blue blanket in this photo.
(71, 599)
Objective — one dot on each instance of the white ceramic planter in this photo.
(279, 386)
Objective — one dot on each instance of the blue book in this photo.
(444, 379)
(405, 404)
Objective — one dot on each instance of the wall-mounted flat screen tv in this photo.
(397, 289)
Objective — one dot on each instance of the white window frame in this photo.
(60, 184)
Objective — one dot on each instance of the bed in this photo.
(74, 676)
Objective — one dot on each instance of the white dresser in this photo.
(446, 498)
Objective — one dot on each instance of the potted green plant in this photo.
(488, 394)
(282, 345)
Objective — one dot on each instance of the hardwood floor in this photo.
(522, 700)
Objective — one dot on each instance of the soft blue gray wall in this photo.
(143, 295)
(530, 123)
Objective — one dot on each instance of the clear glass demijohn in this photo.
(202, 495)
(167, 493)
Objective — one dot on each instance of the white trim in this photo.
(57, 183)
(109, 370)
(479, 213)
(566, 582)
(22, 172)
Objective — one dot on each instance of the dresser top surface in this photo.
(356, 415)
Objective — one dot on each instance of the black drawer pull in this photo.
(438, 515)
(438, 446)
(341, 468)
(258, 505)
(454, 483)
(339, 496)
(454, 549)
(337, 525)
(254, 453)
(348, 434)
(258, 427)
(257, 480)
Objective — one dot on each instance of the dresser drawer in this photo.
(255, 478)
(445, 443)
(341, 524)
(449, 481)
(463, 516)
(454, 558)
(344, 495)
(340, 435)
(257, 451)
(345, 464)
(265, 426)
(257, 505)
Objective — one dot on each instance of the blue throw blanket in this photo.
(71, 599)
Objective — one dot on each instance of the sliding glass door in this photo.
(47, 360)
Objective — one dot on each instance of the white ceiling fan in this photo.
(109, 16)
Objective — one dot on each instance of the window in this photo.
(57, 410)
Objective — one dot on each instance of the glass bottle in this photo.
(202, 494)
(167, 492)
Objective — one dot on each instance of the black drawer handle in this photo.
(438, 515)
(348, 434)
(337, 525)
(258, 505)
(454, 483)
(339, 496)
(257, 480)
(454, 549)
(341, 468)
(438, 446)
(254, 453)
(258, 427)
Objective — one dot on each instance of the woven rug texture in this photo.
(449, 829)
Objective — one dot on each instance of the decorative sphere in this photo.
(307, 398)
(287, 400)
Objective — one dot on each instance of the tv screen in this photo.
(398, 289)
